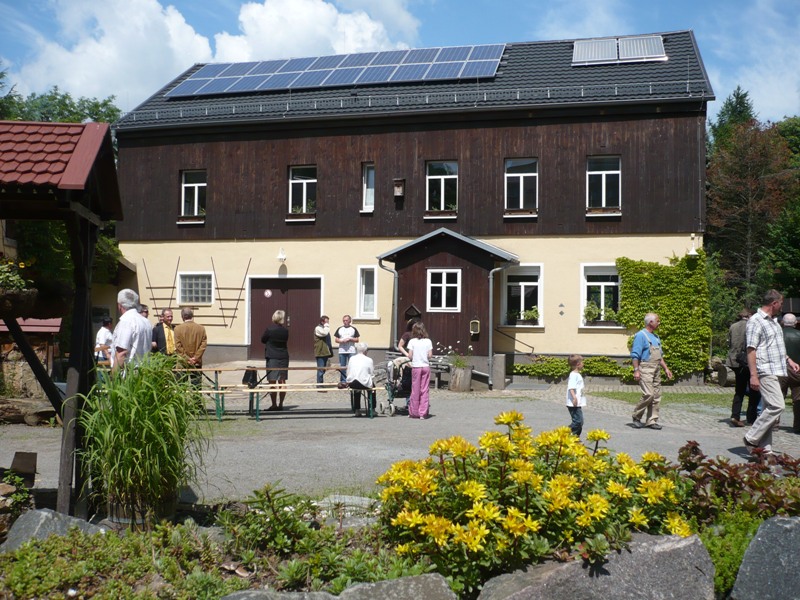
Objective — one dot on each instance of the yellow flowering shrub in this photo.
(517, 498)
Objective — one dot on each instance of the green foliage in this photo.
(790, 131)
(726, 541)
(679, 294)
(532, 314)
(555, 368)
(724, 302)
(591, 312)
(737, 109)
(20, 499)
(476, 512)
(782, 252)
(456, 358)
(145, 431)
(13, 274)
(56, 106)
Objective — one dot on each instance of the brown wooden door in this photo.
(300, 299)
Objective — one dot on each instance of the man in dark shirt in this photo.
(791, 337)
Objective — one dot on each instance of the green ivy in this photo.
(678, 292)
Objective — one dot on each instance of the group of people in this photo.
(763, 353)
(134, 336)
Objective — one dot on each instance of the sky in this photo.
(130, 49)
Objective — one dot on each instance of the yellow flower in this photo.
(655, 491)
(405, 549)
(597, 435)
(677, 526)
(439, 528)
(486, 511)
(424, 482)
(633, 471)
(618, 489)
(390, 491)
(406, 518)
(439, 447)
(637, 518)
(511, 417)
(494, 441)
(472, 489)
(21, 265)
(653, 457)
(461, 448)
(472, 535)
(514, 522)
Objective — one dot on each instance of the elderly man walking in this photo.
(791, 339)
(133, 333)
(766, 356)
(648, 359)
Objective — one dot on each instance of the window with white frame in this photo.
(193, 193)
(367, 292)
(603, 183)
(521, 183)
(444, 290)
(368, 186)
(442, 179)
(195, 288)
(601, 290)
(303, 189)
(522, 293)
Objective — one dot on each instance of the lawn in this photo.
(687, 399)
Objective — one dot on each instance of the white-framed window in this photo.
(368, 187)
(600, 285)
(303, 189)
(442, 180)
(368, 292)
(444, 290)
(522, 182)
(523, 286)
(195, 288)
(603, 183)
(193, 193)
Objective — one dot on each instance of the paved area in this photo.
(317, 447)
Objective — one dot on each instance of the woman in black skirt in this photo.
(275, 340)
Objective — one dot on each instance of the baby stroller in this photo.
(398, 385)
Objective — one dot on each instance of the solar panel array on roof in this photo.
(420, 64)
(639, 48)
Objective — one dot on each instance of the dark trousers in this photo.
(355, 388)
(576, 412)
(742, 388)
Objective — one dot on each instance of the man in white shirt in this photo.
(133, 334)
(346, 336)
(102, 342)
(360, 370)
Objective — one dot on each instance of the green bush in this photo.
(726, 541)
(555, 368)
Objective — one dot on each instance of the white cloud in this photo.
(570, 19)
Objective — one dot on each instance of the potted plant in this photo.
(145, 432)
(460, 369)
(17, 295)
(591, 312)
(511, 317)
(531, 315)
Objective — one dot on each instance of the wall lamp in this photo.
(693, 251)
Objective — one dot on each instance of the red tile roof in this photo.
(35, 325)
(60, 155)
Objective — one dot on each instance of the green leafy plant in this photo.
(726, 540)
(12, 274)
(455, 357)
(20, 499)
(532, 314)
(145, 431)
(512, 316)
(591, 312)
(516, 498)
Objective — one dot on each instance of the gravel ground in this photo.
(317, 446)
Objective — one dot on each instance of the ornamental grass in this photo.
(478, 511)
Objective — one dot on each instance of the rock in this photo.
(39, 524)
(6, 489)
(769, 570)
(273, 595)
(654, 567)
(428, 587)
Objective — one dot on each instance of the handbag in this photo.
(250, 378)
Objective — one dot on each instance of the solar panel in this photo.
(409, 72)
(210, 70)
(310, 79)
(248, 84)
(297, 64)
(376, 74)
(391, 57)
(187, 87)
(268, 67)
(343, 76)
(362, 68)
(327, 62)
(480, 68)
(279, 81)
(238, 69)
(422, 55)
(455, 53)
(490, 52)
(361, 59)
(448, 70)
(218, 85)
(643, 47)
(594, 51)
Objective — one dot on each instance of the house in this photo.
(464, 185)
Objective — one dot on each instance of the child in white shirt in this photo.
(576, 399)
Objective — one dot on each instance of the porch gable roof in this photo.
(493, 251)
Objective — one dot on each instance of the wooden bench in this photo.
(439, 364)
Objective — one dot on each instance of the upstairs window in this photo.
(368, 187)
(603, 184)
(442, 179)
(522, 181)
(193, 194)
(195, 288)
(444, 290)
(601, 294)
(303, 190)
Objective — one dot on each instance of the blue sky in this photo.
(131, 48)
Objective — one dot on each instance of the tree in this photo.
(749, 183)
(736, 110)
(56, 106)
(8, 100)
(789, 129)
